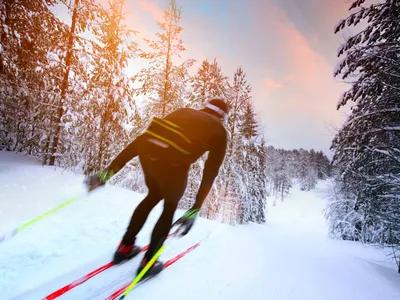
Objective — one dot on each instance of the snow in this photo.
(396, 196)
(290, 257)
(17, 35)
(339, 51)
(53, 57)
(338, 24)
(84, 61)
(394, 128)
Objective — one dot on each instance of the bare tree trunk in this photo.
(103, 142)
(167, 69)
(64, 87)
(231, 142)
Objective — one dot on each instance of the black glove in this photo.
(186, 221)
(98, 179)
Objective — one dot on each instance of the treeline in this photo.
(365, 198)
(67, 99)
(256, 172)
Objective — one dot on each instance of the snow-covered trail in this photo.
(288, 258)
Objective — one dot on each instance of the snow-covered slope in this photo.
(290, 257)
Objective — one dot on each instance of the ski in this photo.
(81, 280)
(86, 277)
(123, 289)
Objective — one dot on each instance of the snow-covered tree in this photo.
(29, 73)
(209, 82)
(260, 209)
(233, 168)
(110, 90)
(165, 79)
(84, 14)
(66, 98)
(344, 222)
(323, 165)
(278, 173)
(242, 183)
(249, 125)
(367, 153)
(252, 156)
(308, 170)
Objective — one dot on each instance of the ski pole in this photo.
(128, 287)
(24, 226)
(141, 274)
(147, 266)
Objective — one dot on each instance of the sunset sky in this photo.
(286, 47)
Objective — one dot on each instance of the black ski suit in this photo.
(166, 151)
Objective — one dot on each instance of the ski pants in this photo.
(163, 182)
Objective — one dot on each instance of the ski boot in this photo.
(155, 269)
(125, 252)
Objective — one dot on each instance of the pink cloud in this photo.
(134, 13)
(153, 8)
(293, 86)
(335, 8)
(299, 111)
(306, 65)
(271, 84)
(308, 69)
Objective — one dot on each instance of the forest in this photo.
(66, 98)
(364, 202)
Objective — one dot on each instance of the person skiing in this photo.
(166, 151)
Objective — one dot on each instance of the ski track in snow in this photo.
(288, 258)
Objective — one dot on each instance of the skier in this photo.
(166, 151)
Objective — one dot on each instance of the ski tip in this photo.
(122, 297)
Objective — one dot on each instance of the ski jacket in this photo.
(180, 139)
(183, 136)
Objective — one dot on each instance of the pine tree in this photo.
(255, 183)
(164, 80)
(367, 154)
(29, 33)
(239, 95)
(229, 191)
(248, 126)
(344, 222)
(279, 171)
(310, 179)
(84, 14)
(112, 89)
(260, 211)
(323, 166)
(253, 161)
(209, 82)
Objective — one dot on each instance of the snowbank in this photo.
(289, 257)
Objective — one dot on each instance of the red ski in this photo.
(168, 263)
(85, 278)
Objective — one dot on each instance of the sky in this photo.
(287, 49)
